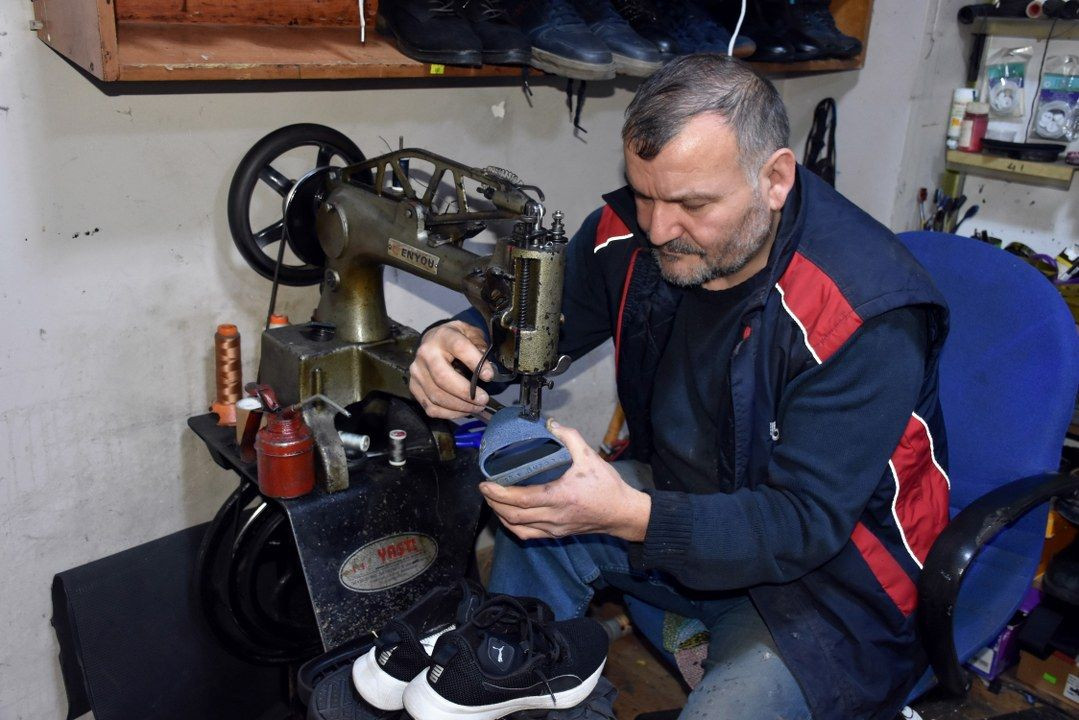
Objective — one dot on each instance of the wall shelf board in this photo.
(1026, 28)
(1055, 174)
(119, 41)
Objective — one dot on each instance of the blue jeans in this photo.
(744, 676)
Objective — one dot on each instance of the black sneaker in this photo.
(694, 30)
(431, 31)
(642, 17)
(813, 20)
(504, 661)
(403, 646)
(503, 42)
(562, 44)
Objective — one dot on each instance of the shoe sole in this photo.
(626, 65)
(514, 57)
(377, 686)
(421, 701)
(471, 58)
(575, 69)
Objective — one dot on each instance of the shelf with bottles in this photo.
(118, 41)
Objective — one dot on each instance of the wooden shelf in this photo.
(1026, 28)
(190, 51)
(120, 41)
(1049, 174)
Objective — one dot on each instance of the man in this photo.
(776, 358)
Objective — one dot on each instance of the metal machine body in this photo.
(280, 578)
(358, 219)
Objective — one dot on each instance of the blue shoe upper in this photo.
(613, 29)
(694, 30)
(556, 27)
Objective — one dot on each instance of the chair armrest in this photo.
(954, 551)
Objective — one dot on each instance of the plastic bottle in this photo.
(960, 99)
(975, 122)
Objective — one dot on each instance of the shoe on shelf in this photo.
(695, 30)
(431, 31)
(633, 55)
(403, 646)
(769, 34)
(642, 17)
(775, 16)
(814, 22)
(504, 661)
(503, 42)
(562, 44)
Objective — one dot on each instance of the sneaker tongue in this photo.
(498, 655)
(470, 602)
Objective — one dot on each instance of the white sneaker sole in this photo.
(375, 685)
(423, 703)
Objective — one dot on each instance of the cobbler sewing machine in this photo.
(281, 580)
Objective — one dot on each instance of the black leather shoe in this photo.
(430, 31)
(562, 44)
(772, 42)
(814, 22)
(641, 16)
(633, 55)
(503, 42)
(777, 17)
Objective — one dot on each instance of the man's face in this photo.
(705, 221)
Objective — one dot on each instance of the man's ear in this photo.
(777, 178)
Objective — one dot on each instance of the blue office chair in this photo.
(1008, 379)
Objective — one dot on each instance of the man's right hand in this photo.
(435, 383)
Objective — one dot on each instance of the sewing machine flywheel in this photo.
(270, 168)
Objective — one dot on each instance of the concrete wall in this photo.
(117, 264)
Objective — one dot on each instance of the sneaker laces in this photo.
(490, 10)
(637, 11)
(442, 7)
(507, 612)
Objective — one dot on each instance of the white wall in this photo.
(117, 265)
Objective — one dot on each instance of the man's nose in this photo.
(664, 225)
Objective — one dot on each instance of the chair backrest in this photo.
(1008, 378)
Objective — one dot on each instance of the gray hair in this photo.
(693, 85)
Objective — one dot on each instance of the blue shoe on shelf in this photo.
(694, 29)
(633, 55)
(562, 44)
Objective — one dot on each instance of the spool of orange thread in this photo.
(227, 373)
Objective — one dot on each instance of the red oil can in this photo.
(286, 460)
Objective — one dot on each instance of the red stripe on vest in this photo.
(889, 574)
(622, 308)
(610, 225)
(921, 505)
(815, 301)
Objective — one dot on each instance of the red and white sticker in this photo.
(388, 562)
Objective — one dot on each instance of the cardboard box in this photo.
(1057, 676)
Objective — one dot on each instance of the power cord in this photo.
(737, 29)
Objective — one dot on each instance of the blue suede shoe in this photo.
(562, 44)
(633, 55)
(694, 30)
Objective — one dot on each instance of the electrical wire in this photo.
(737, 29)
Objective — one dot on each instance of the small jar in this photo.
(960, 99)
(972, 131)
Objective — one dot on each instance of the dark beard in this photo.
(744, 244)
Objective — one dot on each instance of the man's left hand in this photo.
(590, 498)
